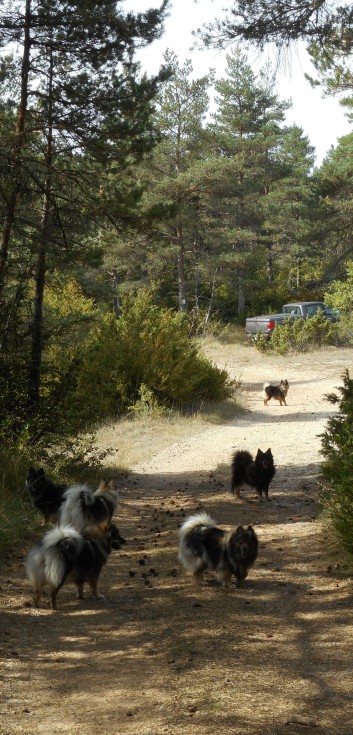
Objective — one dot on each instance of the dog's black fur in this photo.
(45, 495)
(204, 546)
(256, 474)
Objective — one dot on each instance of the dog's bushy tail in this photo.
(49, 560)
(196, 521)
(192, 533)
(241, 459)
(81, 508)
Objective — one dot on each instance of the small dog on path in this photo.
(254, 473)
(204, 546)
(65, 555)
(278, 392)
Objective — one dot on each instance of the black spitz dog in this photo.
(203, 545)
(78, 506)
(45, 495)
(256, 474)
(65, 555)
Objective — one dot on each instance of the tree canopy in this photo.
(263, 21)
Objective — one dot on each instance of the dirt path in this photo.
(159, 656)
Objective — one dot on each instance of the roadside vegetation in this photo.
(337, 467)
(301, 336)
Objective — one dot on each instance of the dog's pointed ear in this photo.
(41, 472)
(239, 529)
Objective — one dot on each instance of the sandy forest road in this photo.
(158, 656)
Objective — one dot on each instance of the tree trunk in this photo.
(116, 301)
(181, 271)
(241, 292)
(299, 272)
(34, 376)
(16, 152)
(269, 265)
(210, 306)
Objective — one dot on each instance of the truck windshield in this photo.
(313, 309)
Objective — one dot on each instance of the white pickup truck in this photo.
(265, 324)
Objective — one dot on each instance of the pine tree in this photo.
(262, 21)
(334, 219)
(288, 206)
(81, 108)
(248, 133)
(337, 468)
(175, 173)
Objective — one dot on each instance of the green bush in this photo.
(340, 296)
(155, 350)
(337, 468)
(107, 367)
(146, 350)
(17, 518)
(301, 335)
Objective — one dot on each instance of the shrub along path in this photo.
(160, 656)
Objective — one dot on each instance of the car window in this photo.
(314, 308)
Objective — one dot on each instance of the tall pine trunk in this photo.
(269, 265)
(181, 270)
(34, 375)
(210, 305)
(299, 272)
(16, 151)
(241, 291)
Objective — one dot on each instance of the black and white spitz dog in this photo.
(278, 392)
(254, 473)
(204, 546)
(64, 555)
(82, 507)
(78, 506)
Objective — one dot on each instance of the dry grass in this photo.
(136, 439)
